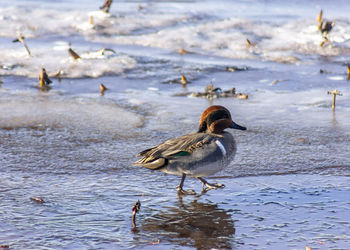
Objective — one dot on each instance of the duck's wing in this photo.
(158, 156)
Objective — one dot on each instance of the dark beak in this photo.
(236, 126)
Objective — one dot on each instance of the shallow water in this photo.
(289, 183)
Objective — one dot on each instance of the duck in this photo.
(199, 154)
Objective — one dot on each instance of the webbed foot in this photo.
(185, 192)
(180, 187)
(207, 186)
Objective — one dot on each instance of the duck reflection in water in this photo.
(196, 224)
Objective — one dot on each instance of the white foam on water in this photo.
(280, 42)
(15, 61)
(199, 30)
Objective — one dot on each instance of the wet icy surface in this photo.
(289, 183)
(93, 211)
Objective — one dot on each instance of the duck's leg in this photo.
(208, 186)
(180, 187)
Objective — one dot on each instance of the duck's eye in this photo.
(218, 115)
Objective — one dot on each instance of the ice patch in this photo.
(336, 78)
(78, 114)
